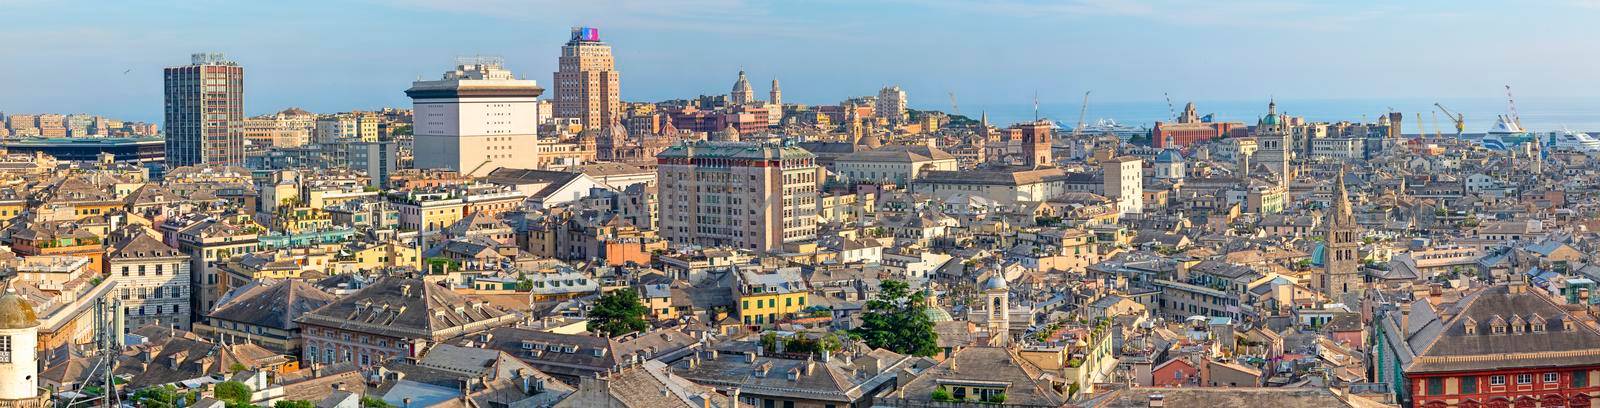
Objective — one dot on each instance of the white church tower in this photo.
(19, 367)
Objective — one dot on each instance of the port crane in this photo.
(1082, 111)
(1436, 133)
(1459, 119)
(1172, 114)
(1422, 132)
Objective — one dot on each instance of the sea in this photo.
(1537, 114)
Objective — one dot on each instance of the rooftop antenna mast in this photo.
(1035, 106)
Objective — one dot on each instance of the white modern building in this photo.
(1124, 182)
(475, 119)
(891, 104)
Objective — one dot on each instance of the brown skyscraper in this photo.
(586, 81)
(205, 112)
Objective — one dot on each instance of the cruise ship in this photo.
(1505, 134)
(1124, 132)
(1572, 141)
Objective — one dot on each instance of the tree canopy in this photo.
(896, 320)
(233, 393)
(618, 312)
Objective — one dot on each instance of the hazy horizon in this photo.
(105, 58)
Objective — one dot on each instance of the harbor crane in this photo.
(1422, 132)
(1437, 135)
(1172, 114)
(1459, 119)
(1082, 110)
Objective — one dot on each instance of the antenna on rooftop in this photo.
(1035, 106)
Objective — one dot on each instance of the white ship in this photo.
(1572, 141)
(1105, 126)
(1505, 134)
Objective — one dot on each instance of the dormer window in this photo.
(1497, 325)
(1517, 325)
(1536, 324)
(1469, 325)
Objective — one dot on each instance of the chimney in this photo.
(826, 355)
(733, 398)
(1157, 401)
(750, 357)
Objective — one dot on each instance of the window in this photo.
(1524, 379)
(1469, 385)
(1551, 378)
(1580, 379)
(1436, 386)
(1497, 380)
(5, 349)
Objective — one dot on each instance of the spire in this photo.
(1272, 106)
(1341, 200)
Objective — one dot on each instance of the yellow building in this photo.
(428, 211)
(658, 298)
(365, 256)
(767, 298)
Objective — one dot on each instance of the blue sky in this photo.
(333, 55)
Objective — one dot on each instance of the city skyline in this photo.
(994, 54)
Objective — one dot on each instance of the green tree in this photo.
(294, 404)
(618, 312)
(996, 398)
(374, 402)
(233, 392)
(897, 321)
(157, 397)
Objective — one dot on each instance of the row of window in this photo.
(1469, 384)
(787, 302)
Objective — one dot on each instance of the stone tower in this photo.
(777, 93)
(1276, 144)
(997, 309)
(1341, 273)
(1036, 143)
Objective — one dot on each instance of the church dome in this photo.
(995, 282)
(15, 312)
(937, 314)
(1168, 156)
(1270, 120)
